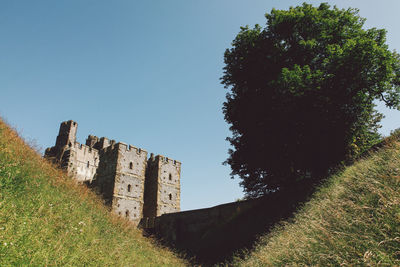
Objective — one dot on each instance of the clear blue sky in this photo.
(142, 72)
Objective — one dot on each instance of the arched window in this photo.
(131, 165)
(88, 164)
(129, 188)
(170, 196)
(127, 213)
(170, 177)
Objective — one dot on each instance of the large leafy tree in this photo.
(301, 95)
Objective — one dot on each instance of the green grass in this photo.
(352, 220)
(47, 219)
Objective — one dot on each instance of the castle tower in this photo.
(98, 143)
(92, 140)
(83, 162)
(65, 140)
(162, 187)
(80, 161)
(132, 185)
(67, 133)
(120, 179)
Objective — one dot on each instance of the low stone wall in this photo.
(213, 234)
(193, 224)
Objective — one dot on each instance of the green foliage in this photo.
(302, 94)
(47, 219)
(352, 220)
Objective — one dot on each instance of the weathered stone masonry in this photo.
(130, 183)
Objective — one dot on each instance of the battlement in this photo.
(124, 148)
(67, 125)
(99, 143)
(85, 148)
(109, 148)
(92, 140)
(67, 133)
(104, 142)
(164, 159)
(130, 148)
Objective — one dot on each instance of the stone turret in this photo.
(65, 140)
(67, 134)
(80, 161)
(162, 188)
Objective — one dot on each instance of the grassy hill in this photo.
(46, 219)
(352, 220)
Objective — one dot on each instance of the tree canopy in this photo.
(301, 94)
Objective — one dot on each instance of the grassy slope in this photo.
(46, 219)
(354, 219)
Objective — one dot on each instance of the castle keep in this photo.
(133, 185)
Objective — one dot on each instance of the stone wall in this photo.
(162, 190)
(83, 162)
(151, 188)
(128, 195)
(168, 185)
(106, 172)
(188, 226)
(213, 234)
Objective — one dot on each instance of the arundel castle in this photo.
(133, 185)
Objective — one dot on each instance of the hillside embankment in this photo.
(353, 219)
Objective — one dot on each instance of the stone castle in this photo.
(133, 185)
